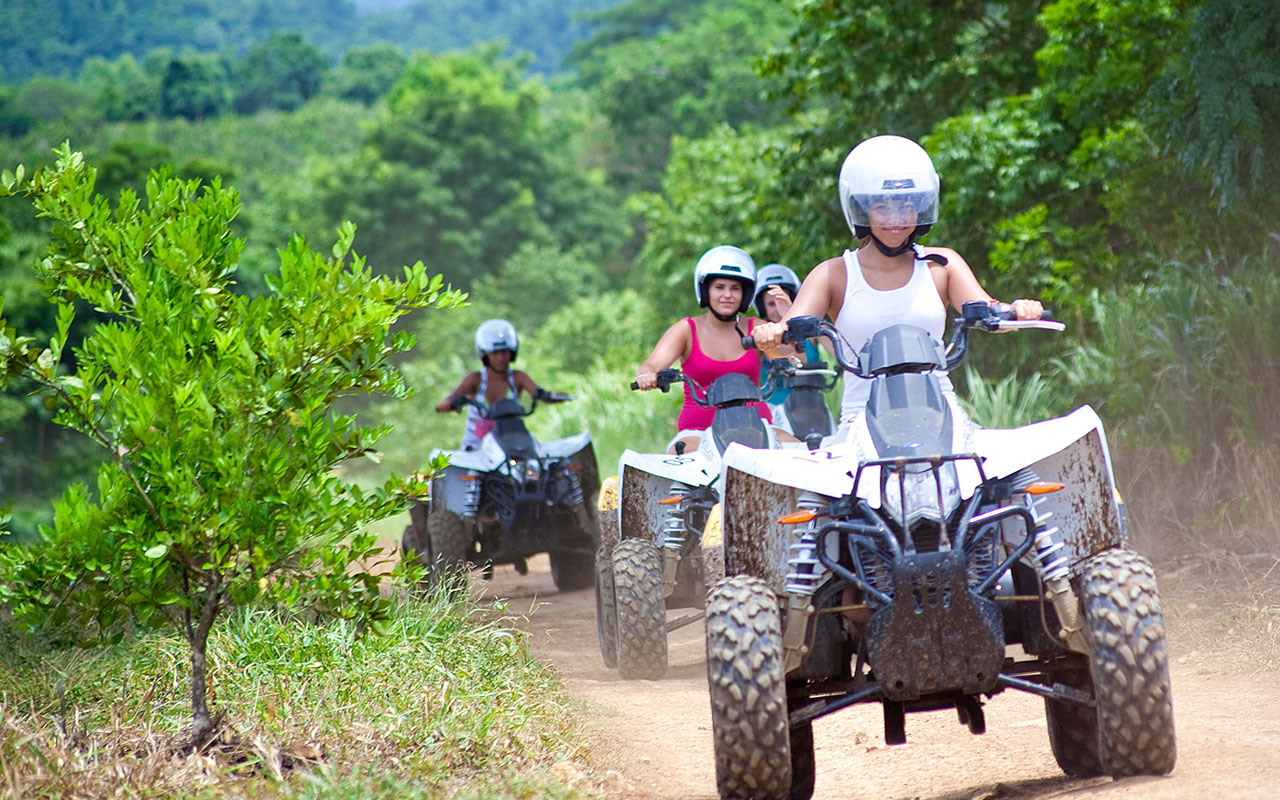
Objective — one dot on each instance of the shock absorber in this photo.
(471, 500)
(1051, 558)
(803, 568)
(804, 571)
(674, 530)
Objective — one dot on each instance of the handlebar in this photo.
(666, 377)
(485, 410)
(974, 314)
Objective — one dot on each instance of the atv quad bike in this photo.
(927, 564)
(657, 561)
(510, 499)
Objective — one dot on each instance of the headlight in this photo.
(920, 491)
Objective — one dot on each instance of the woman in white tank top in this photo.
(889, 193)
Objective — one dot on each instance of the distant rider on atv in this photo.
(889, 194)
(776, 288)
(710, 344)
(496, 346)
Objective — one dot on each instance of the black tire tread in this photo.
(642, 618)
(606, 608)
(1129, 664)
(748, 691)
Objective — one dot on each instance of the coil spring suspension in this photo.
(471, 502)
(674, 529)
(1050, 554)
(804, 571)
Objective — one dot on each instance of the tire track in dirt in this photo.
(654, 739)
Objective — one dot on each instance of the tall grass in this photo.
(441, 704)
(1186, 371)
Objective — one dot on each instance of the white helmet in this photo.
(725, 261)
(888, 167)
(775, 275)
(496, 334)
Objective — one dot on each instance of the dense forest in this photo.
(565, 163)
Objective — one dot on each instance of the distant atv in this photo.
(896, 567)
(657, 561)
(510, 499)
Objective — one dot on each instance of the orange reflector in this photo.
(670, 501)
(469, 477)
(797, 517)
(1043, 487)
(574, 468)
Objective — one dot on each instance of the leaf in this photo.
(156, 550)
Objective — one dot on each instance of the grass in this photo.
(446, 703)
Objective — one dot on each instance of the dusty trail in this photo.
(655, 740)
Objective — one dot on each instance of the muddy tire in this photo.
(606, 606)
(572, 568)
(748, 692)
(448, 544)
(1129, 665)
(642, 618)
(610, 533)
(1073, 729)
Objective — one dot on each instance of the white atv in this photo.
(654, 559)
(899, 567)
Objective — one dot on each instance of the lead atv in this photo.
(902, 566)
(510, 499)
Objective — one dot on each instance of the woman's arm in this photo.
(469, 385)
(958, 285)
(815, 299)
(674, 345)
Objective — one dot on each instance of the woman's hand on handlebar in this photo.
(768, 335)
(1027, 309)
(645, 381)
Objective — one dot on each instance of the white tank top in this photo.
(866, 311)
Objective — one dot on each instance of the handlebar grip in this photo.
(634, 386)
(748, 343)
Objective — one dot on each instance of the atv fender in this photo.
(449, 491)
(1070, 450)
(754, 543)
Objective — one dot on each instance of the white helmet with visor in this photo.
(725, 261)
(895, 176)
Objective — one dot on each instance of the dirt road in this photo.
(655, 739)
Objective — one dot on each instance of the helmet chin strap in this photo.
(894, 251)
(723, 317)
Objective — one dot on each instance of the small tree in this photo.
(222, 486)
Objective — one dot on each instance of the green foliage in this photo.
(280, 72)
(463, 171)
(366, 73)
(682, 81)
(1222, 98)
(710, 189)
(194, 87)
(1010, 402)
(851, 70)
(216, 411)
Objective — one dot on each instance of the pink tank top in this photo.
(704, 369)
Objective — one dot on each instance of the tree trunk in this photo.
(198, 638)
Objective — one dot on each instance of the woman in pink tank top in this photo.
(709, 345)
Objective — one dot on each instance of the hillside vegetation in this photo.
(1114, 158)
